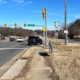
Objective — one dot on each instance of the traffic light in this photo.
(44, 29)
(43, 13)
(24, 24)
(5, 25)
(15, 24)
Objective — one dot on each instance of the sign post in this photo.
(50, 47)
(57, 27)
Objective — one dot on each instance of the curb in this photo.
(10, 63)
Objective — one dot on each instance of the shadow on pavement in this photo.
(43, 54)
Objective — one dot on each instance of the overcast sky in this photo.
(29, 12)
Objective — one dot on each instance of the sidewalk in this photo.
(36, 69)
(39, 70)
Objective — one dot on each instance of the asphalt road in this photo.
(70, 41)
(10, 49)
(74, 41)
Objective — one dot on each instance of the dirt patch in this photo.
(66, 61)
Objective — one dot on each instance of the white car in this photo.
(21, 39)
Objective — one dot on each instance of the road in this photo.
(70, 41)
(10, 49)
(74, 41)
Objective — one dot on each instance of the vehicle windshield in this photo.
(20, 38)
(33, 37)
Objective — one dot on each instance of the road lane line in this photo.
(12, 48)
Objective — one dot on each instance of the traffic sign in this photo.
(66, 31)
(56, 33)
(44, 29)
(31, 25)
(57, 25)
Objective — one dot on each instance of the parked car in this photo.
(34, 40)
(3, 38)
(21, 39)
(12, 39)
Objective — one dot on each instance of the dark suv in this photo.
(34, 40)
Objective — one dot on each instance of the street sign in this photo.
(56, 33)
(31, 25)
(66, 31)
(44, 29)
(57, 25)
(50, 46)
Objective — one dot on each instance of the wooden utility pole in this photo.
(65, 23)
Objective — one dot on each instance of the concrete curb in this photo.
(10, 63)
(15, 69)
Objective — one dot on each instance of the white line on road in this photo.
(12, 48)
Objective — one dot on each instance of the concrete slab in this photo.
(15, 69)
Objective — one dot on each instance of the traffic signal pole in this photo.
(43, 35)
(46, 24)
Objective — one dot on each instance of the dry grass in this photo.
(66, 61)
(53, 40)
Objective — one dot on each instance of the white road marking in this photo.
(12, 48)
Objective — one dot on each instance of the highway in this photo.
(10, 49)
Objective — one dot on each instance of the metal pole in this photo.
(43, 35)
(65, 23)
(10, 31)
(46, 24)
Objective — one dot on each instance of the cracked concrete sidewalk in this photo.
(39, 70)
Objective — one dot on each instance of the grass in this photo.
(66, 61)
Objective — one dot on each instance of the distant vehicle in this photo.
(34, 39)
(3, 38)
(21, 39)
(12, 39)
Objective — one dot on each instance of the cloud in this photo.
(75, 15)
(28, 2)
(55, 14)
(3, 2)
(19, 1)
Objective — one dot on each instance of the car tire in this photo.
(28, 43)
(35, 43)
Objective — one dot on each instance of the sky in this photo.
(29, 12)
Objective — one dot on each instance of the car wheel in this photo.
(28, 43)
(35, 43)
(40, 42)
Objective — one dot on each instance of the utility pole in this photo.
(65, 24)
(46, 24)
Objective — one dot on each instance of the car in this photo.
(3, 38)
(21, 39)
(12, 39)
(34, 40)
